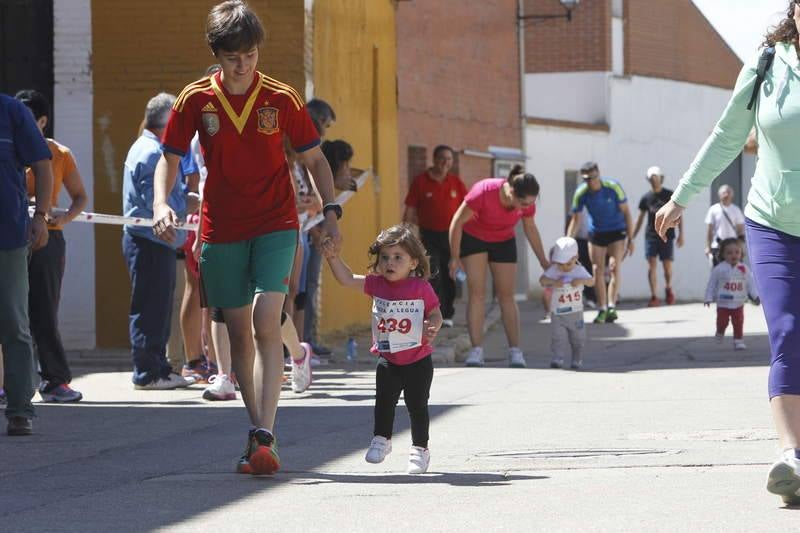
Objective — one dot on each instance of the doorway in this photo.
(26, 46)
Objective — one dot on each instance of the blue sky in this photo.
(742, 23)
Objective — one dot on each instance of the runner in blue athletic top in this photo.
(609, 228)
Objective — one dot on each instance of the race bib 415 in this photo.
(567, 299)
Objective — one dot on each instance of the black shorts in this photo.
(499, 252)
(604, 238)
(658, 248)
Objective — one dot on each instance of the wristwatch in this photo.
(336, 208)
(41, 213)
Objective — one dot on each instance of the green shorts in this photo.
(232, 273)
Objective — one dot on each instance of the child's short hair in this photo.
(401, 235)
(724, 244)
(233, 27)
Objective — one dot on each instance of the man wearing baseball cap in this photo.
(654, 247)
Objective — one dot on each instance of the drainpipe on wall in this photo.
(521, 39)
(308, 53)
(524, 272)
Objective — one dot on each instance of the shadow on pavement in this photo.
(456, 479)
(123, 465)
(643, 339)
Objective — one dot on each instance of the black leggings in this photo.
(414, 381)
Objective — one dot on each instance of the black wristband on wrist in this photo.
(336, 208)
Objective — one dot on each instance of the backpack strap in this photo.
(764, 64)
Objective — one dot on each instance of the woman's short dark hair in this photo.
(233, 27)
(337, 152)
(36, 102)
(523, 183)
(785, 31)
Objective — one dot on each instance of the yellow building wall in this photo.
(354, 69)
(139, 49)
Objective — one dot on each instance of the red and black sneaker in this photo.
(670, 296)
(243, 464)
(263, 458)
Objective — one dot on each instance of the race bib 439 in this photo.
(397, 324)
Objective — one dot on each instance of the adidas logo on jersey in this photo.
(209, 108)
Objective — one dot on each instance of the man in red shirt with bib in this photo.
(431, 202)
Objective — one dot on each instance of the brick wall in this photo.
(673, 40)
(458, 79)
(138, 49)
(556, 45)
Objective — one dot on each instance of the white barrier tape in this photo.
(341, 200)
(119, 220)
(114, 220)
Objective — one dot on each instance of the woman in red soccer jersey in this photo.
(481, 235)
(249, 217)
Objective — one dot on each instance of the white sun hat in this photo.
(565, 249)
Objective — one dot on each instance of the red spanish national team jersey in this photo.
(248, 191)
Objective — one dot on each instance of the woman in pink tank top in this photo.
(481, 236)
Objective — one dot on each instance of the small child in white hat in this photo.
(567, 278)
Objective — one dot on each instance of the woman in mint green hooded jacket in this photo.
(773, 222)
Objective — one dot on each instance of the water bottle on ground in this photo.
(351, 349)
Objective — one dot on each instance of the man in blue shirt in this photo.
(21, 145)
(609, 229)
(151, 261)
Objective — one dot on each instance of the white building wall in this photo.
(570, 96)
(653, 122)
(72, 46)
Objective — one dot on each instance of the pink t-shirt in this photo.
(398, 312)
(491, 221)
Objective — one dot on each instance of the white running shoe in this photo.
(220, 388)
(173, 381)
(418, 460)
(474, 357)
(447, 323)
(379, 448)
(784, 478)
(739, 344)
(301, 370)
(516, 359)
